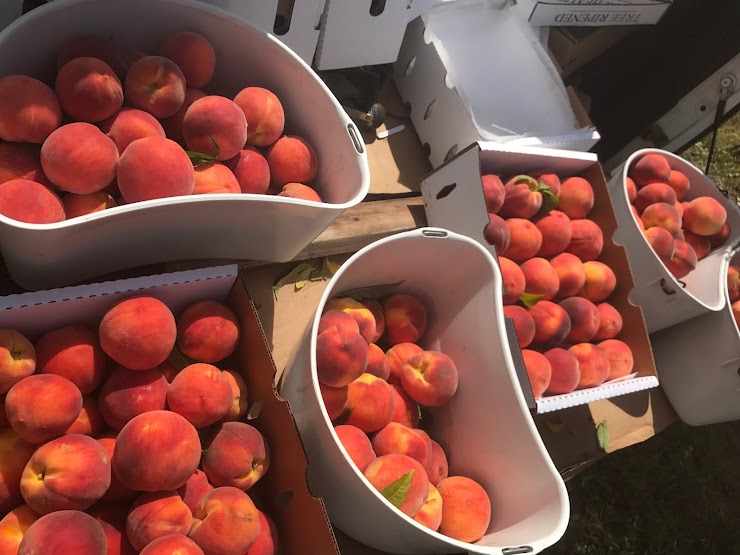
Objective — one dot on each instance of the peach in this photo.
(541, 278)
(358, 311)
(358, 446)
(194, 489)
(68, 473)
(237, 456)
(251, 170)
(631, 188)
(584, 319)
(733, 283)
(30, 202)
(587, 240)
(650, 168)
(438, 466)
(239, 403)
(80, 205)
(372, 403)
(64, 532)
(551, 323)
(600, 281)
(386, 470)
(704, 216)
(523, 198)
(193, 54)
(72, 352)
(496, 233)
(341, 356)
(226, 522)
(397, 438)
(42, 406)
(720, 238)
(377, 311)
(336, 318)
(377, 362)
(335, 400)
(173, 544)
(138, 333)
(610, 322)
(292, 160)
(3, 417)
(29, 110)
(620, 356)
(17, 359)
(129, 124)
(154, 515)
(679, 208)
(736, 312)
(397, 357)
(549, 180)
(299, 191)
(405, 319)
(88, 90)
(576, 198)
(538, 370)
(112, 518)
(593, 362)
(679, 183)
(90, 421)
(556, 232)
(215, 119)
(525, 240)
(207, 331)
(264, 114)
(430, 514)
(571, 276)
(493, 192)
(172, 125)
(156, 451)
(406, 410)
(21, 161)
(466, 509)
(566, 371)
(662, 215)
(430, 378)
(523, 324)
(661, 241)
(201, 393)
(14, 455)
(13, 526)
(684, 260)
(117, 493)
(512, 279)
(267, 542)
(156, 85)
(653, 193)
(127, 394)
(428, 441)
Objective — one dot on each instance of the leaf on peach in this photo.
(397, 491)
(529, 299)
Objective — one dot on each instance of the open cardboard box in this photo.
(282, 493)
(453, 199)
(595, 13)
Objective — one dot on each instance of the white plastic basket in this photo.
(231, 226)
(486, 429)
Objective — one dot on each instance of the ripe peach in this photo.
(551, 323)
(42, 406)
(238, 387)
(237, 456)
(267, 542)
(335, 400)
(584, 319)
(736, 312)
(428, 441)
(496, 233)
(556, 233)
(466, 509)
(430, 378)
(397, 438)
(112, 518)
(64, 532)
(336, 318)
(704, 216)
(154, 515)
(512, 279)
(88, 90)
(525, 240)
(720, 238)
(193, 54)
(17, 359)
(156, 85)
(377, 362)
(21, 161)
(631, 188)
(72, 352)
(662, 215)
(661, 241)
(610, 321)
(397, 357)
(679, 208)
(385, 470)
(438, 467)
(3, 417)
(653, 193)
(127, 394)
(90, 421)
(587, 240)
(13, 526)
(341, 356)
(620, 356)
(358, 446)
(173, 125)
(29, 110)
(593, 362)
(493, 192)
(684, 260)
(226, 521)
(80, 205)
(292, 160)
(68, 473)
(571, 276)
(566, 371)
(377, 311)
(406, 410)
(79, 158)
(207, 331)
(430, 514)
(549, 180)
(300, 191)
(650, 168)
(679, 183)
(138, 333)
(215, 119)
(156, 451)
(372, 403)
(14, 455)
(264, 114)
(30, 202)
(541, 278)
(172, 544)
(195, 488)
(523, 199)
(405, 319)
(358, 311)
(201, 393)
(129, 124)
(600, 281)
(538, 370)
(117, 493)
(576, 198)
(523, 324)
(251, 170)
(733, 283)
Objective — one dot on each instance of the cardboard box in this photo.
(260, 14)
(594, 13)
(283, 493)
(453, 199)
(298, 25)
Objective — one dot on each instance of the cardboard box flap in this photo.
(577, 13)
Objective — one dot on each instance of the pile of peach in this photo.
(548, 252)
(374, 398)
(116, 126)
(106, 447)
(680, 233)
(733, 291)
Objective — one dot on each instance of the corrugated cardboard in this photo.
(593, 13)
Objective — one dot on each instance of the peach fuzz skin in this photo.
(126, 394)
(385, 470)
(405, 319)
(430, 514)
(173, 543)
(207, 331)
(264, 114)
(397, 438)
(237, 456)
(88, 90)
(30, 110)
(358, 311)
(193, 54)
(430, 378)
(154, 515)
(201, 393)
(466, 509)
(372, 403)
(17, 359)
(13, 526)
(72, 352)
(341, 356)
(225, 508)
(14, 455)
(156, 85)
(357, 445)
(64, 532)
(30, 202)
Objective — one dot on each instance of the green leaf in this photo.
(372, 292)
(397, 491)
(303, 277)
(602, 435)
(530, 181)
(200, 157)
(296, 275)
(344, 417)
(529, 300)
(549, 200)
